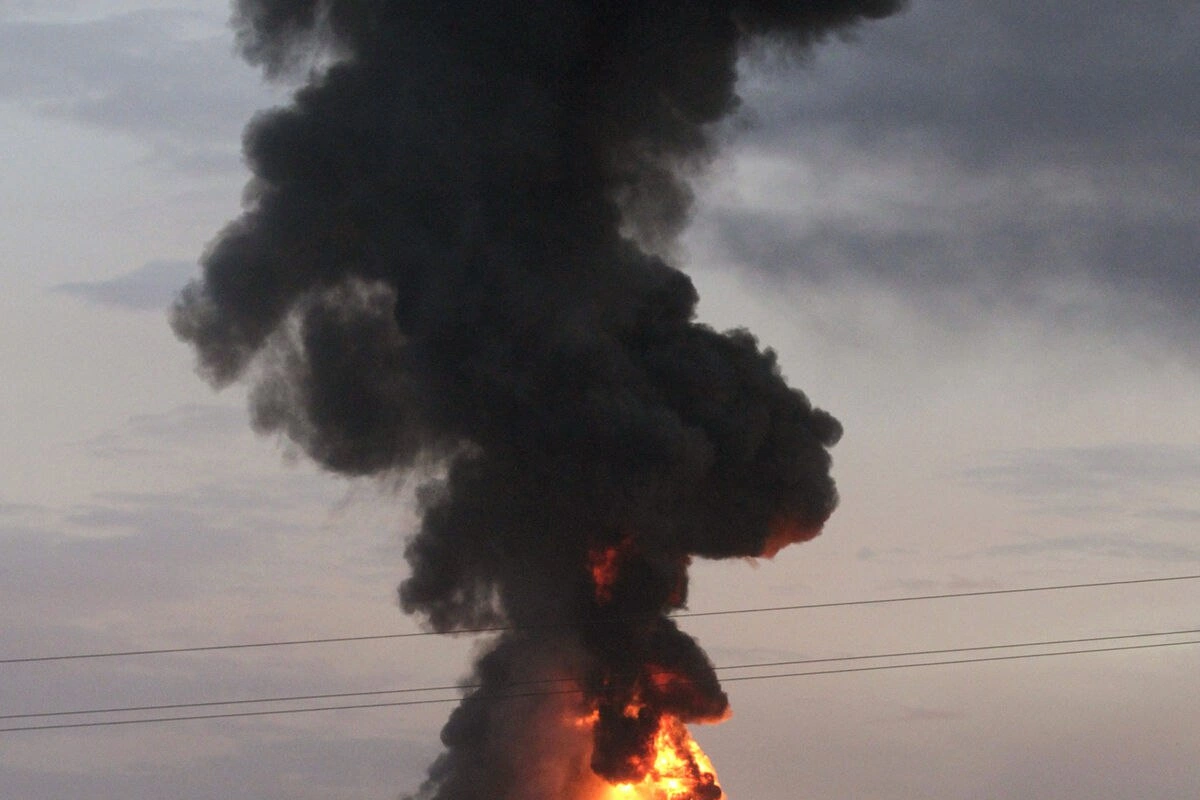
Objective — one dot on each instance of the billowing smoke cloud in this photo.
(445, 259)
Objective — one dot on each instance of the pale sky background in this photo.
(970, 233)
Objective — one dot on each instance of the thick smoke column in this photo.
(439, 265)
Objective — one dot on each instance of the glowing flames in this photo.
(603, 566)
(679, 771)
(656, 757)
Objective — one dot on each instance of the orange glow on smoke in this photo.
(665, 680)
(603, 564)
(681, 770)
(786, 531)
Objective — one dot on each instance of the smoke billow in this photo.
(443, 260)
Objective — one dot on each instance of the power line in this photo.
(944, 596)
(393, 704)
(469, 686)
(291, 698)
(271, 712)
(429, 701)
(499, 628)
(975, 649)
(959, 661)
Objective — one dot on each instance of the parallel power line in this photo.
(509, 695)
(550, 681)
(682, 615)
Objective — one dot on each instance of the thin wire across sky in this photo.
(682, 615)
(510, 691)
(549, 692)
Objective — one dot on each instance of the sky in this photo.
(968, 231)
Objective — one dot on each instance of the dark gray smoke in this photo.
(439, 263)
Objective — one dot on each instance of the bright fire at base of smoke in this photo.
(680, 769)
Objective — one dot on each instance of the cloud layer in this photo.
(1012, 157)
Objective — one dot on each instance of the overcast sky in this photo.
(970, 232)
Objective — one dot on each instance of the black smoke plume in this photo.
(446, 258)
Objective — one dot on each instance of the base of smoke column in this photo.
(678, 769)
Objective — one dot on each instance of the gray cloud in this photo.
(988, 82)
(130, 552)
(952, 584)
(1005, 155)
(1134, 500)
(1089, 470)
(117, 553)
(158, 75)
(188, 425)
(18, 512)
(274, 767)
(1103, 545)
(918, 714)
(151, 287)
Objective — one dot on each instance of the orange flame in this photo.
(785, 531)
(605, 564)
(681, 770)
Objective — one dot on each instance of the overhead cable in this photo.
(609, 620)
(576, 690)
